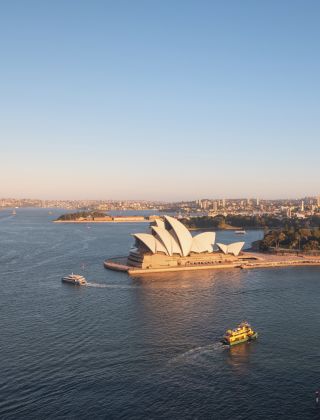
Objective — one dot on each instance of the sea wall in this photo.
(260, 261)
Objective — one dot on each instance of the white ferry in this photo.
(240, 232)
(75, 279)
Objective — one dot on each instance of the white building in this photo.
(170, 244)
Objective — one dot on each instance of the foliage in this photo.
(203, 222)
(254, 222)
(292, 238)
(81, 215)
(294, 234)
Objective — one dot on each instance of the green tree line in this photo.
(303, 239)
(81, 214)
(238, 221)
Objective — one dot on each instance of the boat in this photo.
(241, 334)
(75, 279)
(240, 232)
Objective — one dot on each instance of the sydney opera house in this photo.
(170, 246)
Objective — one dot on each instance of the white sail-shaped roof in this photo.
(151, 242)
(182, 235)
(223, 248)
(172, 237)
(168, 240)
(203, 242)
(148, 240)
(234, 248)
(159, 223)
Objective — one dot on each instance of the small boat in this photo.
(240, 232)
(75, 279)
(241, 334)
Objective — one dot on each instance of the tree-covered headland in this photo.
(293, 238)
(279, 233)
(248, 222)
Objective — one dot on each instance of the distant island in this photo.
(99, 217)
(82, 215)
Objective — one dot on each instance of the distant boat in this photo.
(240, 232)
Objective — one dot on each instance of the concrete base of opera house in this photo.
(247, 260)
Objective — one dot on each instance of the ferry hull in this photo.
(74, 283)
(244, 340)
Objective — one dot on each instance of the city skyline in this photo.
(159, 101)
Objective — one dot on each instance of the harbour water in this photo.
(147, 347)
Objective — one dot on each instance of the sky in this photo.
(159, 99)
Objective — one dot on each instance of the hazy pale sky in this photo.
(167, 99)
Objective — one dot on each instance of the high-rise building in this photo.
(302, 205)
(318, 201)
(258, 201)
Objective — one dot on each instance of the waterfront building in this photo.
(170, 244)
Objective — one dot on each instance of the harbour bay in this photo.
(147, 347)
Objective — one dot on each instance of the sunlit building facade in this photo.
(170, 244)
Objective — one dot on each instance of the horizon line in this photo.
(162, 200)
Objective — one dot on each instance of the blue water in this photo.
(147, 348)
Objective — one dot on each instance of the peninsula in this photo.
(171, 247)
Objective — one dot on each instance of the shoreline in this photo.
(262, 261)
(100, 221)
(149, 221)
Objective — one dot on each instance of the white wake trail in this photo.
(109, 286)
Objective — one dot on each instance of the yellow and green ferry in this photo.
(241, 334)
